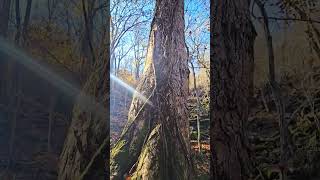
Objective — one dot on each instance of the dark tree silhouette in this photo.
(4, 16)
(231, 79)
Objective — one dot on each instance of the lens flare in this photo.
(130, 89)
(85, 102)
(88, 103)
(29, 63)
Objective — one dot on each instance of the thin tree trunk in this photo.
(4, 23)
(26, 20)
(198, 107)
(136, 57)
(4, 17)
(50, 123)
(269, 42)
(88, 21)
(232, 41)
(137, 72)
(14, 119)
(18, 21)
(283, 125)
(125, 99)
(155, 142)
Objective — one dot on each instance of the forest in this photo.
(159, 89)
(133, 63)
(54, 89)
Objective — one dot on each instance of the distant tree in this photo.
(125, 17)
(4, 16)
(139, 52)
(26, 20)
(18, 21)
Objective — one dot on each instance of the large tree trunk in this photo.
(155, 142)
(86, 147)
(232, 42)
(87, 48)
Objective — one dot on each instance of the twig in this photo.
(290, 19)
(94, 157)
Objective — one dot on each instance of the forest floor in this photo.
(201, 160)
(31, 158)
(301, 98)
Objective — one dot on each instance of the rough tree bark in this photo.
(85, 149)
(232, 45)
(155, 142)
(85, 153)
(88, 56)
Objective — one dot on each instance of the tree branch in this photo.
(290, 19)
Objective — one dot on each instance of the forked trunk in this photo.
(155, 142)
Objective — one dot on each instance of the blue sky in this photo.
(197, 13)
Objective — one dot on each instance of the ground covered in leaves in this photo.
(301, 95)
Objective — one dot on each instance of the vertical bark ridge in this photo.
(232, 42)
